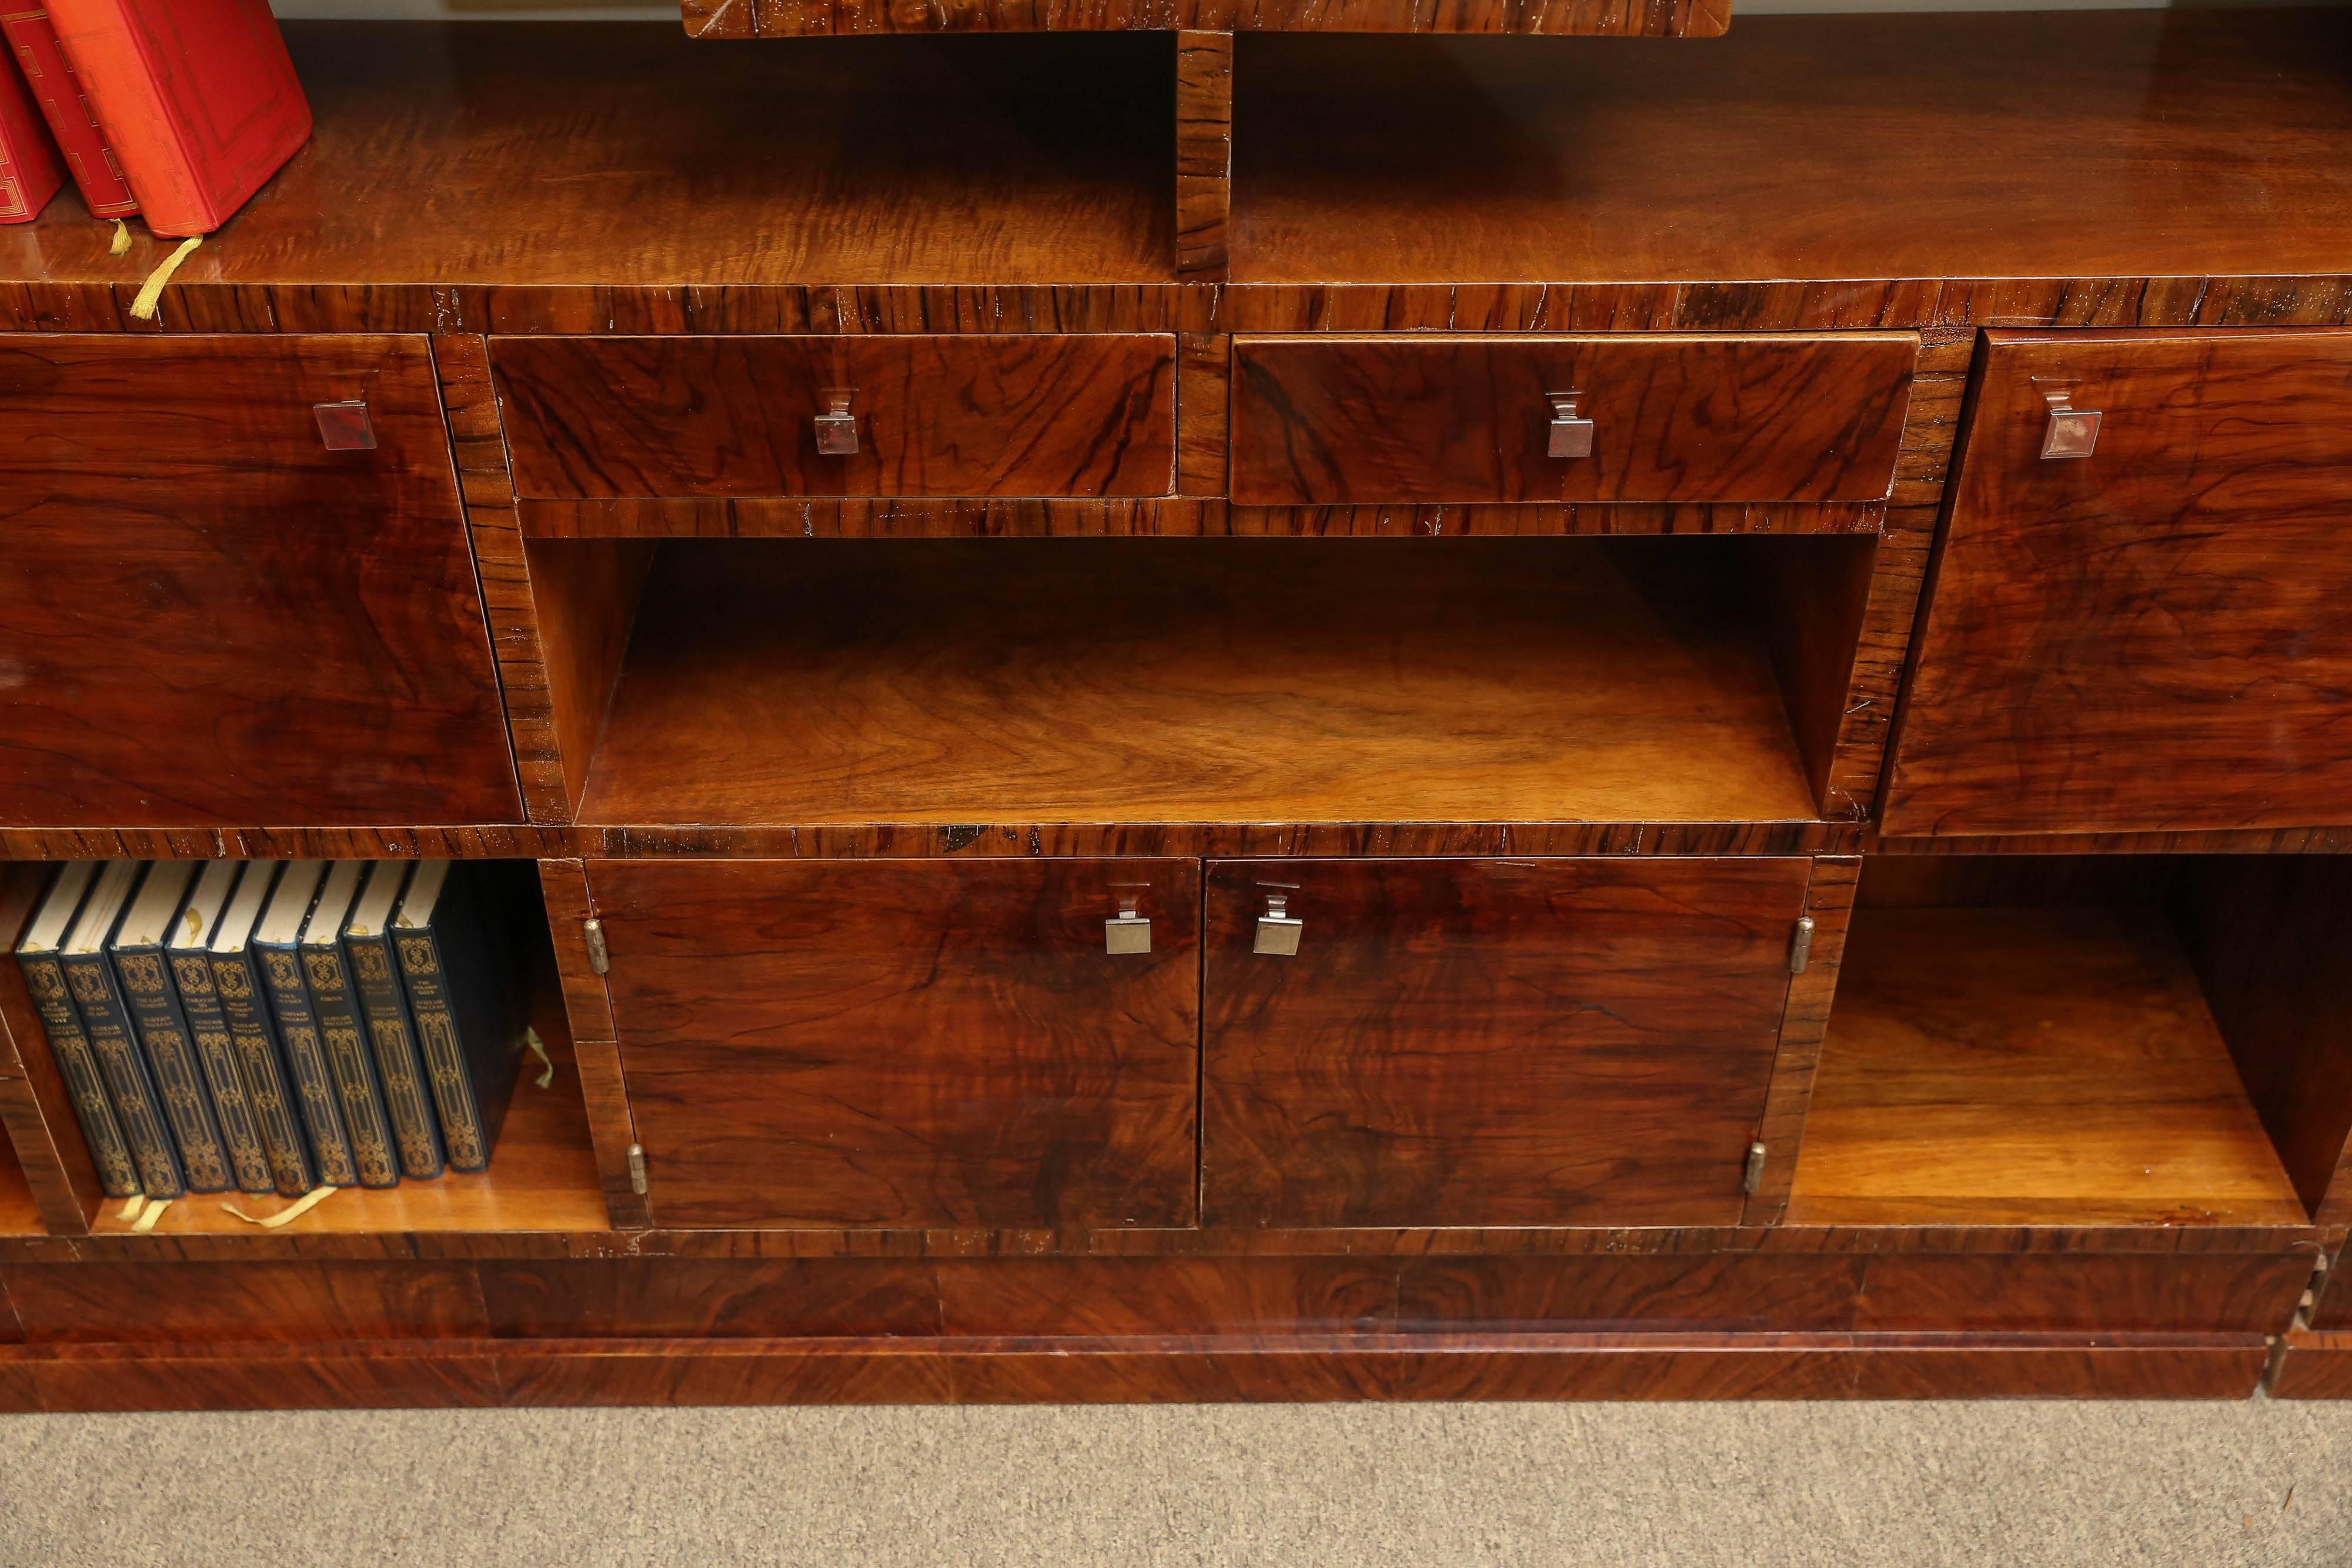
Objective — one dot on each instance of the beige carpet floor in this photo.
(1362, 1486)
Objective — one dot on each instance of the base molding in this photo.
(416, 1374)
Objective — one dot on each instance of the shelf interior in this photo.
(779, 683)
(2031, 1063)
(1972, 145)
(19, 1216)
(543, 1175)
(623, 153)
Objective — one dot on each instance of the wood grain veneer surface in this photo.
(2022, 1066)
(2138, 143)
(808, 682)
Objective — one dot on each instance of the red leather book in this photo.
(30, 169)
(198, 97)
(71, 120)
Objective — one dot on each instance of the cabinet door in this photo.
(207, 617)
(1491, 1042)
(2158, 635)
(907, 1043)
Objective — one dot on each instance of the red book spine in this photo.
(71, 120)
(199, 98)
(30, 169)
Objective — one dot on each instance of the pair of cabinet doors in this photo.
(1454, 1042)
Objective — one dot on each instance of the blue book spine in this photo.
(298, 1026)
(276, 1106)
(118, 1174)
(192, 973)
(406, 1095)
(335, 1007)
(137, 1106)
(163, 1033)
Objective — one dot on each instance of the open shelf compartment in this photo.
(2146, 143)
(2095, 1040)
(543, 1174)
(1591, 679)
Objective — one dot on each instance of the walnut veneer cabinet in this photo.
(1306, 705)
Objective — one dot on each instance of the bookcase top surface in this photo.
(1606, 18)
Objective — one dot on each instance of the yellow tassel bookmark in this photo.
(288, 1215)
(539, 1048)
(121, 245)
(155, 1212)
(131, 1207)
(151, 294)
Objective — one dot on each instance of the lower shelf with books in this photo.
(297, 1048)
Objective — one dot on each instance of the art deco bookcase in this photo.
(1284, 701)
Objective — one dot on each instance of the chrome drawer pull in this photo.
(2074, 431)
(1571, 436)
(836, 427)
(1128, 932)
(1278, 929)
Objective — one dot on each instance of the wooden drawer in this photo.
(1788, 417)
(2158, 636)
(906, 1043)
(206, 617)
(1492, 1042)
(982, 415)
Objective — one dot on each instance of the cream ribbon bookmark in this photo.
(291, 1213)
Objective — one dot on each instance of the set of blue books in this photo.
(278, 1025)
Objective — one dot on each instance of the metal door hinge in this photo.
(637, 1169)
(1800, 947)
(591, 931)
(1752, 1178)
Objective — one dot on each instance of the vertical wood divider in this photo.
(35, 1107)
(1203, 396)
(1803, 1024)
(610, 1127)
(485, 483)
(1205, 155)
(1938, 384)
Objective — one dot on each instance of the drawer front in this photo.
(1789, 417)
(2158, 635)
(1491, 1042)
(981, 415)
(206, 617)
(906, 1043)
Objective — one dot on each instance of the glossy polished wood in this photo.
(19, 1216)
(959, 415)
(618, 153)
(1918, 147)
(49, 1169)
(1204, 153)
(799, 18)
(1491, 681)
(1491, 1042)
(909, 1043)
(2155, 636)
(207, 617)
(1795, 417)
(2027, 1066)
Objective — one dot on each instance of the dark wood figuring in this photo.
(1146, 1369)
(101, 1304)
(2270, 941)
(1491, 1042)
(212, 619)
(2026, 1065)
(959, 415)
(907, 1043)
(2313, 1365)
(1794, 417)
(1803, 147)
(588, 1008)
(510, 601)
(1204, 153)
(1049, 682)
(1804, 1025)
(2153, 637)
(800, 18)
(618, 154)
